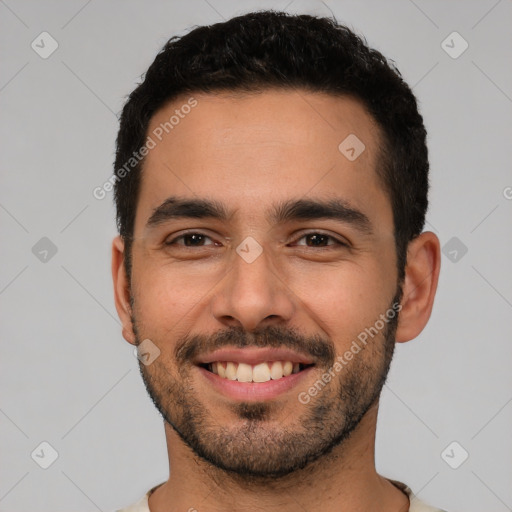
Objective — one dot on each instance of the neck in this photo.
(341, 481)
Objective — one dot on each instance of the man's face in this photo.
(275, 285)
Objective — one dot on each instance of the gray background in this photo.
(68, 377)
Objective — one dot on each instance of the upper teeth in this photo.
(261, 372)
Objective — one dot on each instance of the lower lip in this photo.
(254, 391)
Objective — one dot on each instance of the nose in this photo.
(253, 295)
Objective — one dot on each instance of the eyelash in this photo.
(337, 242)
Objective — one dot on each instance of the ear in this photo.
(122, 289)
(420, 285)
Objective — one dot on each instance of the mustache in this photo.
(320, 349)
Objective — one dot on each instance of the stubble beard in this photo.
(257, 447)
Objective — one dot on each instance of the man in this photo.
(271, 188)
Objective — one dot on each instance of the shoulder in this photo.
(416, 504)
(142, 505)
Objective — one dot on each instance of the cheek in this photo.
(166, 294)
(344, 301)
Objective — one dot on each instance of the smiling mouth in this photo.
(261, 372)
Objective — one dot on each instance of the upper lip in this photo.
(253, 356)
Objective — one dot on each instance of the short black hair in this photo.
(268, 50)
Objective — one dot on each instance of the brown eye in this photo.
(319, 240)
(191, 240)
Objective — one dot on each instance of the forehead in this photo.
(249, 148)
(272, 117)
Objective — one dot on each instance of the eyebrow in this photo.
(287, 211)
(313, 209)
(176, 208)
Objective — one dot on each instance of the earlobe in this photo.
(122, 289)
(420, 285)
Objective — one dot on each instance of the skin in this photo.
(250, 152)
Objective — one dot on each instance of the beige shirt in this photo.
(416, 504)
